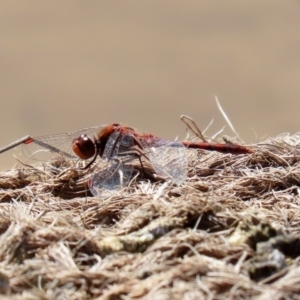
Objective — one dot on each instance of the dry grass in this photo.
(230, 232)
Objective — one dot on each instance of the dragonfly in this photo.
(116, 146)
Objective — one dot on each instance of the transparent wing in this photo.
(168, 158)
(118, 144)
(113, 171)
(113, 176)
(44, 148)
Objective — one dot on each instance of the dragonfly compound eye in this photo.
(84, 147)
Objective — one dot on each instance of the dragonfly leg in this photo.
(138, 153)
(94, 158)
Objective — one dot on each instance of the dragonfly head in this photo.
(84, 147)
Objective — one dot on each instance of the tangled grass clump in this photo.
(231, 231)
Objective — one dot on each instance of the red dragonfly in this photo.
(117, 145)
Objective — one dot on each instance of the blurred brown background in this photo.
(68, 65)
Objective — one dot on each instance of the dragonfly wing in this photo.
(169, 159)
(113, 171)
(44, 148)
(118, 144)
(112, 146)
(111, 176)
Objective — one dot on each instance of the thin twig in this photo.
(194, 128)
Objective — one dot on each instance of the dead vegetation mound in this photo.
(230, 232)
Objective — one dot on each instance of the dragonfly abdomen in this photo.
(223, 148)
